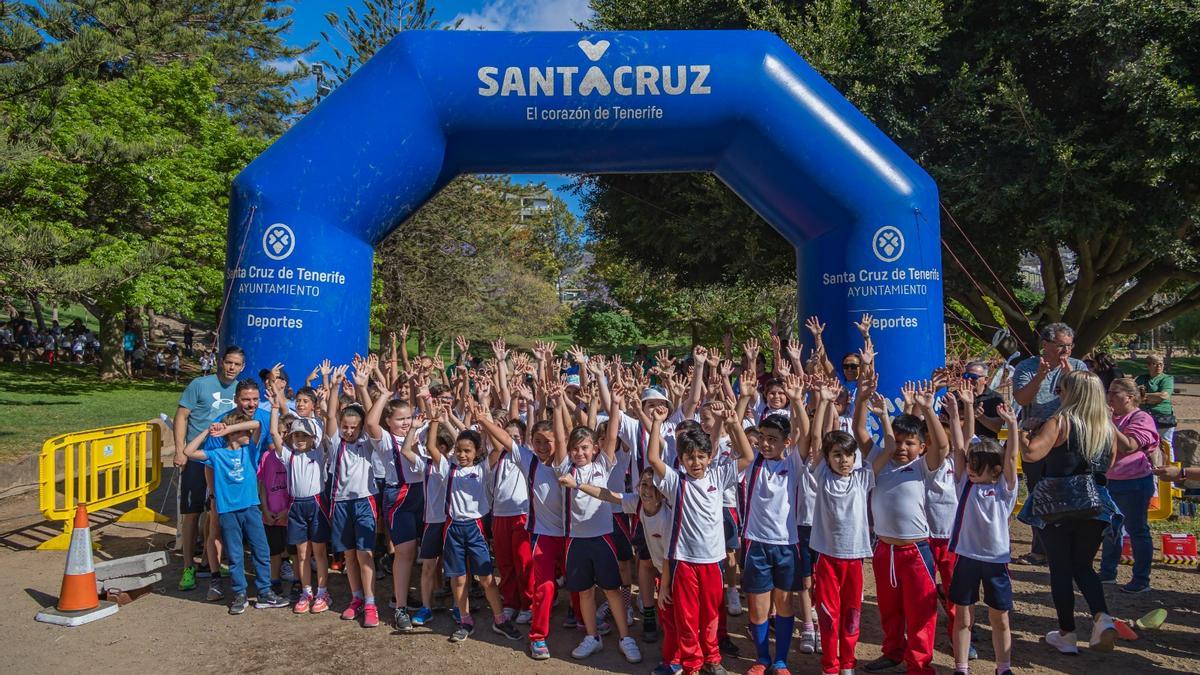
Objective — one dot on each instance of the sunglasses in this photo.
(848, 366)
(971, 376)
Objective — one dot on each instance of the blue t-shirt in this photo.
(263, 415)
(235, 482)
(208, 400)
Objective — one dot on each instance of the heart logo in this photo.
(593, 50)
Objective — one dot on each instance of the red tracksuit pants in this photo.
(549, 558)
(696, 590)
(837, 595)
(670, 638)
(510, 544)
(943, 561)
(907, 603)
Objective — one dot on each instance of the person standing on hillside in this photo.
(203, 402)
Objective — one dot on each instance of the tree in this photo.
(599, 324)
(1060, 128)
(363, 32)
(126, 203)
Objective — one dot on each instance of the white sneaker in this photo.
(630, 649)
(846, 671)
(524, 617)
(588, 646)
(603, 612)
(733, 601)
(1104, 634)
(808, 642)
(630, 617)
(286, 572)
(1065, 643)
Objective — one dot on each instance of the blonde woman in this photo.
(1078, 439)
(1131, 484)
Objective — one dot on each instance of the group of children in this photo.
(584, 474)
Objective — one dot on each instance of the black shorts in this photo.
(970, 574)
(622, 537)
(276, 538)
(193, 489)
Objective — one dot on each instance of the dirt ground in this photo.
(169, 631)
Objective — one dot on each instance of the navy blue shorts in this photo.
(622, 536)
(465, 550)
(806, 560)
(307, 522)
(403, 507)
(431, 541)
(733, 528)
(766, 567)
(193, 489)
(353, 525)
(592, 561)
(639, 542)
(969, 574)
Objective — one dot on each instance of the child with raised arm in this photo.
(987, 483)
(540, 464)
(227, 447)
(389, 425)
(591, 558)
(354, 509)
(902, 561)
(307, 517)
(465, 553)
(840, 534)
(695, 493)
(805, 503)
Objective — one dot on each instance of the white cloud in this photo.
(285, 65)
(522, 15)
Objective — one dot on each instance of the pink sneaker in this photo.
(370, 616)
(320, 604)
(302, 604)
(351, 612)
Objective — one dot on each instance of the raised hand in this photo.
(909, 393)
(726, 368)
(794, 350)
(700, 355)
(658, 413)
(403, 334)
(966, 395)
(950, 405)
(867, 355)
(578, 354)
(814, 326)
(828, 391)
(864, 326)
(877, 404)
(339, 374)
(218, 429)
(664, 361)
(793, 386)
(1008, 415)
(463, 345)
(499, 349)
(362, 375)
(923, 396)
(750, 348)
(326, 368)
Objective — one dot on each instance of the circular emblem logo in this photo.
(888, 243)
(278, 241)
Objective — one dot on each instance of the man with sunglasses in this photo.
(987, 400)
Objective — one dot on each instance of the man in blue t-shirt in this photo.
(228, 449)
(203, 402)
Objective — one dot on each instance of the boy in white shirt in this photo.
(902, 561)
(841, 535)
(987, 481)
(695, 494)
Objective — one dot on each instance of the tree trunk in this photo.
(112, 352)
(38, 316)
(420, 342)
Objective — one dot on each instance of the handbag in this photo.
(1058, 498)
(1164, 420)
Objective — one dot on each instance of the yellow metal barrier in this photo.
(100, 468)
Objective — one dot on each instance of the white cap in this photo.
(654, 394)
(301, 427)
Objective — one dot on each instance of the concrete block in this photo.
(128, 583)
(131, 566)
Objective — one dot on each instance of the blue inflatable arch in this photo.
(306, 214)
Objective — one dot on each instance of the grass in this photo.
(1180, 365)
(39, 401)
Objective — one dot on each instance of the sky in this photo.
(309, 21)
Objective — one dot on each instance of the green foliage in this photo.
(1187, 329)
(598, 324)
(364, 31)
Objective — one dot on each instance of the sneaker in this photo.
(320, 604)
(672, 668)
(187, 581)
(270, 600)
(215, 594)
(1135, 587)
(630, 649)
(1065, 643)
(287, 572)
(757, 669)
(351, 612)
(507, 629)
(603, 627)
(538, 650)
(780, 669)
(716, 669)
(972, 653)
(1104, 634)
(508, 613)
(422, 617)
(650, 634)
(302, 604)
(588, 646)
(850, 671)
(295, 592)
(733, 602)
(524, 616)
(402, 620)
(603, 612)
(370, 616)
(883, 664)
(570, 622)
(239, 604)
(1112, 581)
(728, 647)
(808, 642)
(463, 632)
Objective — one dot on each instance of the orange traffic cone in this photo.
(78, 602)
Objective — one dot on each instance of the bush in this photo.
(597, 324)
